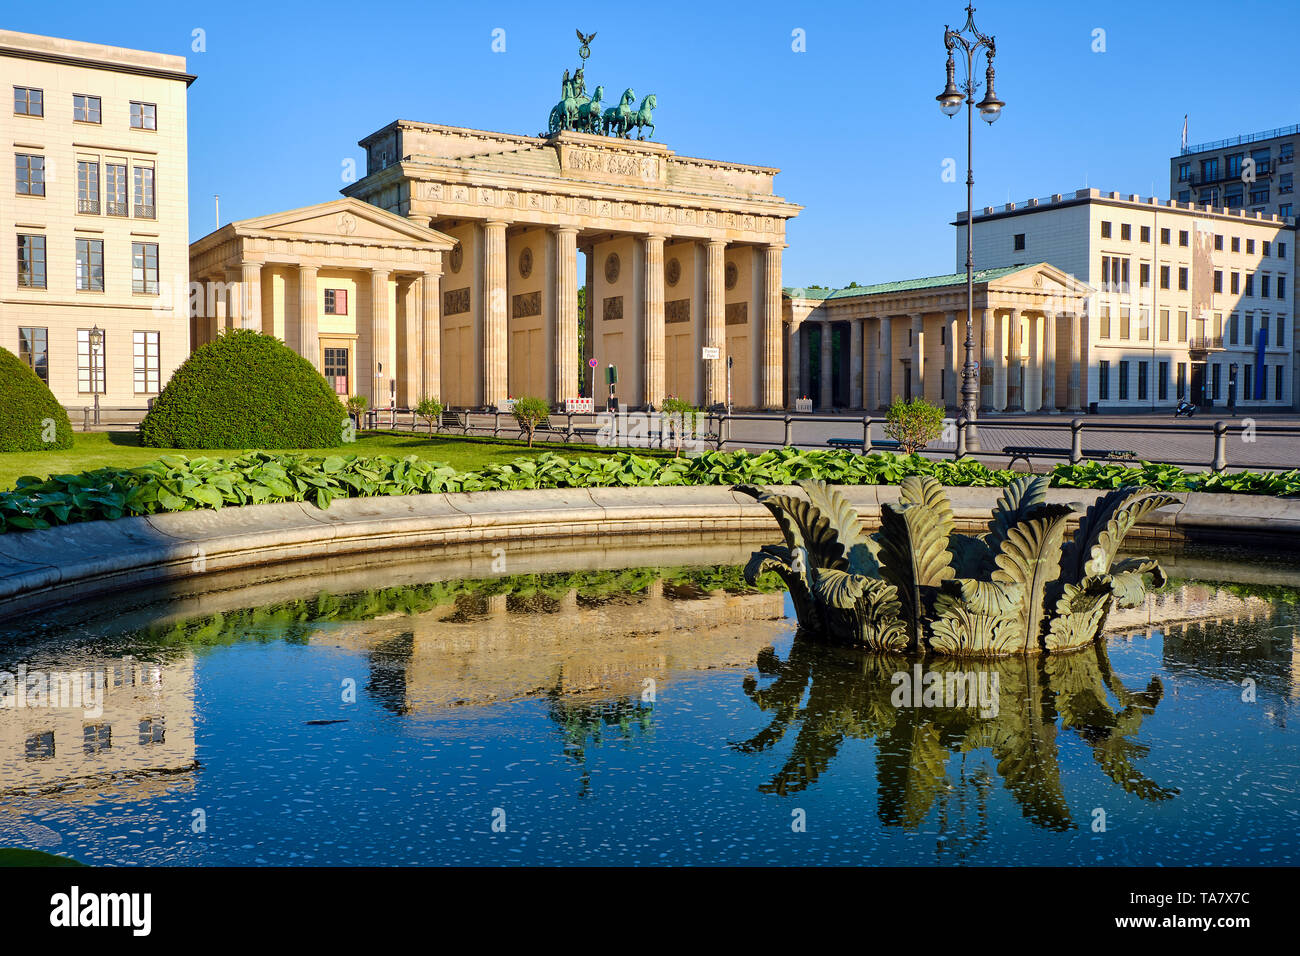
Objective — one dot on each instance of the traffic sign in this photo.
(709, 352)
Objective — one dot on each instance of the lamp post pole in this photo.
(971, 41)
(96, 343)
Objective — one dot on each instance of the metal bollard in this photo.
(961, 437)
(866, 434)
(789, 431)
(1220, 446)
(496, 424)
(1076, 441)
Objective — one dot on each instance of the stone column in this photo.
(1048, 363)
(826, 396)
(566, 313)
(379, 337)
(1000, 324)
(871, 361)
(951, 363)
(985, 345)
(855, 363)
(431, 335)
(715, 329)
(1073, 395)
(652, 301)
(308, 320)
(886, 362)
(797, 357)
(918, 355)
(589, 324)
(1015, 399)
(234, 297)
(770, 395)
(250, 288)
(495, 332)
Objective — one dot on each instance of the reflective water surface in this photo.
(639, 716)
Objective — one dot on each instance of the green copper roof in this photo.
(904, 285)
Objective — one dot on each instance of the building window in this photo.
(1250, 247)
(1164, 237)
(336, 301)
(1182, 278)
(1250, 284)
(1265, 283)
(1125, 231)
(1263, 329)
(1103, 380)
(145, 207)
(1250, 328)
(1286, 211)
(1142, 381)
(28, 101)
(1104, 323)
(1247, 393)
(1125, 327)
(90, 265)
(1145, 234)
(1234, 165)
(1218, 280)
(1018, 243)
(29, 174)
(1144, 325)
(1234, 329)
(1182, 237)
(33, 349)
(1144, 275)
(1268, 248)
(1105, 229)
(88, 187)
(85, 109)
(1215, 380)
(153, 730)
(1277, 383)
(1259, 194)
(31, 262)
(1286, 153)
(1281, 287)
(1164, 325)
(1233, 197)
(1209, 170)
(1235, 282)
(1162, 381)
(144, 115)
(1184, 172)
(145, 346)
(1236, 243)
(336, 369)
(1182, 380)
(1281, 331)
(1164, 277)
(1218, 242)
(1182, 326)
(1281, 250)
(144, 267)
(97, 738)
(40, 746)
(91, 371)
(115, 190)
(1123, 381)
(1184, 195)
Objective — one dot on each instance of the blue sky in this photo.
(285, 89)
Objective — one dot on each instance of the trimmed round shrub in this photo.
(31, 418)
(245, 390)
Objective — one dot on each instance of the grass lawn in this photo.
(123, 450)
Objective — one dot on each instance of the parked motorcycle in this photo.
(1185, 409)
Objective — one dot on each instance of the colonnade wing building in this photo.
(682, 255)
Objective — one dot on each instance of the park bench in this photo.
(563, 432)
(1023, 452)
(451, 420)
(855, 444)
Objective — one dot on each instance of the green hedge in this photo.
(31, 418)
(176, 483)
(245, 390)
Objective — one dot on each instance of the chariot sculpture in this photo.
(917, 586)
(583, 113)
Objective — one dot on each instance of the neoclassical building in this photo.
(683, 259)
(864, 346)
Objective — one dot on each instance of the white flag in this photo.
(1184, 131)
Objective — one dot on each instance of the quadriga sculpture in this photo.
(916, 585)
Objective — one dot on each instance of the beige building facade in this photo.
(354, 289)
(95, 212)
(682, 259)
(865, 346)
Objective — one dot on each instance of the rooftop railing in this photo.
(1241, 140)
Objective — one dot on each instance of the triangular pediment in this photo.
(342, 220)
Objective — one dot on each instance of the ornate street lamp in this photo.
(96, 336)
(971, 41)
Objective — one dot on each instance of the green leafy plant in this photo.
(245, 390)
(913, 424)
(31, 418)
(529, 413)
(429, 410)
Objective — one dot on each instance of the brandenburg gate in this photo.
(683, 260)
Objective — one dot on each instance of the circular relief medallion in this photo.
(347, 224)
(611, 267)
(457, 258)
(674, 273)
(525, 263)
(733, 275)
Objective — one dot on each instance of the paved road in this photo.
(1151, 437)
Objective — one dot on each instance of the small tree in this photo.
(681, 415)
(529, 413)
(356, 406)
(914, 424)
(429, 409)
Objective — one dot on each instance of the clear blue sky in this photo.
(285, 89)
